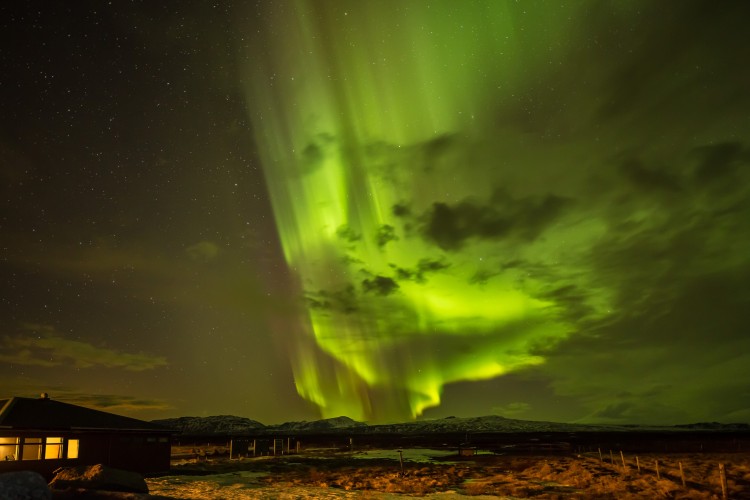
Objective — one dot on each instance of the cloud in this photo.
(503, 216)
(385, 234)
(110, 402)
(24, 387)
(436, 149)
(401, 210)
(649, 179)
(512, 409)
(419, 273)
(346, 233)
(42, 346)
(314, 154)
(33, 383)
(380, 285)
(716, 161)
(343, 299)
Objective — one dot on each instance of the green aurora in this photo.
(389, 179)
(284, 209)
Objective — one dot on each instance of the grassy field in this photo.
(378, 474)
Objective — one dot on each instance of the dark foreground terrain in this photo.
(522, 466)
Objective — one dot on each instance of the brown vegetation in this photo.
(540, 477)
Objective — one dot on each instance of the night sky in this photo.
(383, 209)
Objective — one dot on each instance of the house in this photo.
(43, 434)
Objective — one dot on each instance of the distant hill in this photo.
(219, 424)
(715, 426)
(327, 424)
(490, 423)
(231, 425)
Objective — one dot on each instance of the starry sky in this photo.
(388, 210)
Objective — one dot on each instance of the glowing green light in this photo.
(358, 113)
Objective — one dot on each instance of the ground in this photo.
(441, 474)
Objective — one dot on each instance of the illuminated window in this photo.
(72, 448)
(53, 448)
(8, 448)
(32, 449)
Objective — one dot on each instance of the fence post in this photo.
(656, 463)
(638, 464)
(624, 467)
(601, 459)
(611, 458)
(682, 474)
(723, 479)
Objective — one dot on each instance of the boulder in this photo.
(98, 477)
(23, 485)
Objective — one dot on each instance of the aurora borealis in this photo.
(385, 210)
(372, 144)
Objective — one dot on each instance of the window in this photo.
(32, 448)
(72, 448)
(9, 448)
(53, 448)
(36, 448)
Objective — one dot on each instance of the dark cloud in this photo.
(435, 149)
(676, 279)
(342, 300)
(112, 402)
(649, 179)
(314, 154)
(430, 266)
(346, 233)
(385, 234)
(702, 36)
(652, 258)
(451, 226)
(379, 285)
(482, 276)
(718, 160)
(574, 301)
(402, 273)
(401, 210)
(43, 346)
(419, 272)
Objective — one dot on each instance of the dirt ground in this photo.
(438, 474)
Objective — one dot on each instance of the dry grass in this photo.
(540, 477)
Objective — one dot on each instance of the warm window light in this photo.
(8, 448)
(32, 448)
(72, 448)
(53, 448)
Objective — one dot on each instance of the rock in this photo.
(98, 477)
(23, 485)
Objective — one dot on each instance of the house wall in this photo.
(144, 453)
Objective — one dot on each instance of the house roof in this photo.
(44, 413)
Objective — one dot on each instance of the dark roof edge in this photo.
(7, 407)
(90, 419)
(68, 430)
(105, 429)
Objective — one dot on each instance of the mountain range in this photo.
(232, 425)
